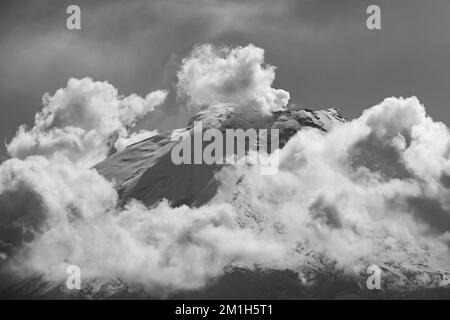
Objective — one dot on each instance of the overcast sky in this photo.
(324, 54)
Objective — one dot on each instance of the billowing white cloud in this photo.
(55, 213)
(80, 120)
(55, 210)
(237, 75)
(373, 190)
(363, 193)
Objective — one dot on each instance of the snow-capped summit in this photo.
(145, 171)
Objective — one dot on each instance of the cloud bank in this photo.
(70, 217)
(373, 190)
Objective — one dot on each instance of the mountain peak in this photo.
(145, 171)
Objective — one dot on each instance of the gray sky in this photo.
(325, 55)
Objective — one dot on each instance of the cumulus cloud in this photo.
(369, 191)
(56, 210)
(81, 120)
(56, 213)
(37, 193)
(373, 190)
(329, 197)
(237, 75)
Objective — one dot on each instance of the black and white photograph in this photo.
(223, 155)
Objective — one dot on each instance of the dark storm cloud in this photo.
(324, 53)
